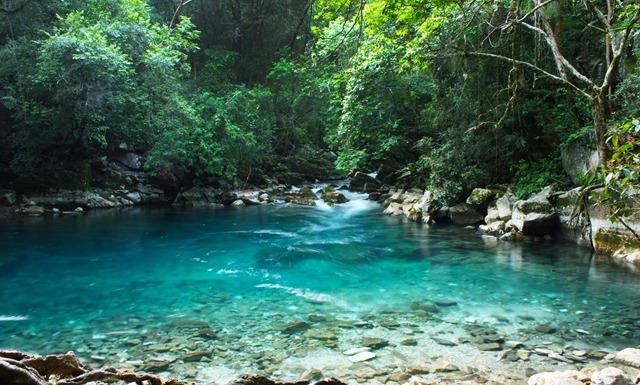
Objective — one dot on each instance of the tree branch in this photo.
(536, 69)
(174, 18)
(534, 10)
(618, 50)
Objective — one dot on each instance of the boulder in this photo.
(197, 197)
(534, 216)
(504, 205)
(360, 181)
(394, 209)
(614, 238)
(495, 228)
(331, 196)
(578, 158)
(130, 160)
(610, 376)
(8, 198)
(573, 221)
(568, 377)
(482, 196)
(94, 198)
(465, 214)
(304, 196)
(629, 356)
(387, 175)
(33, 211)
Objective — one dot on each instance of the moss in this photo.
(612, 240)
(535, 207)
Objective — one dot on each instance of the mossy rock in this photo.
(483, 196)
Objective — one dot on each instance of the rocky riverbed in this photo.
(428, 343)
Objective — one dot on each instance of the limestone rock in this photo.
(386, 174)
(568, 377)
(294, 327)
(534, 216)
(394, 209)
(489, 346)
(304, 196)
(578, 158)
(362, 356)
(443, 341)
(629, 356)
(33, 211)
(465, 214)
(614, 238)
(574, 224)
(355, 351)
(374, 342)
(360, 181)
(331, 196)
(195, 356)
(444, 366)
(504, 206)
(482, 196)
(197, 197)
(130, 160)
(8, 198)
(238, 203)
(320, 335)
(610, 376)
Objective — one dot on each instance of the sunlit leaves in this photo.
(621, 173)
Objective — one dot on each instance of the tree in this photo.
(614, 22)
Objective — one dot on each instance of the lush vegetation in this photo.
(461, 94)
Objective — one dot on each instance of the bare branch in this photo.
(617, 53)
(535, 68)
(603, 19)
(534, 10)
(176, 13)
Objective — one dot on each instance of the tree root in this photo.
(19, 368)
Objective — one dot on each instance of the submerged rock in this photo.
(374, 342)
(294, 327)
(362, 356)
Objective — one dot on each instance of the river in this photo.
(209, 294)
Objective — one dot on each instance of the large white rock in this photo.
(610, 376)
(568, 377)
(504, 205)
(534, 216)
(629, 356)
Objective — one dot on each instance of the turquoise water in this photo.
(111, 284)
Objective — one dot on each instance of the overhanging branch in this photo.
(535, 69)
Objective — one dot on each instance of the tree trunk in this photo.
(598, 110)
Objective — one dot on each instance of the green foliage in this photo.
(530, 178)
(381, 109)
(106, 75)
(619, 175)
(225, 137)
